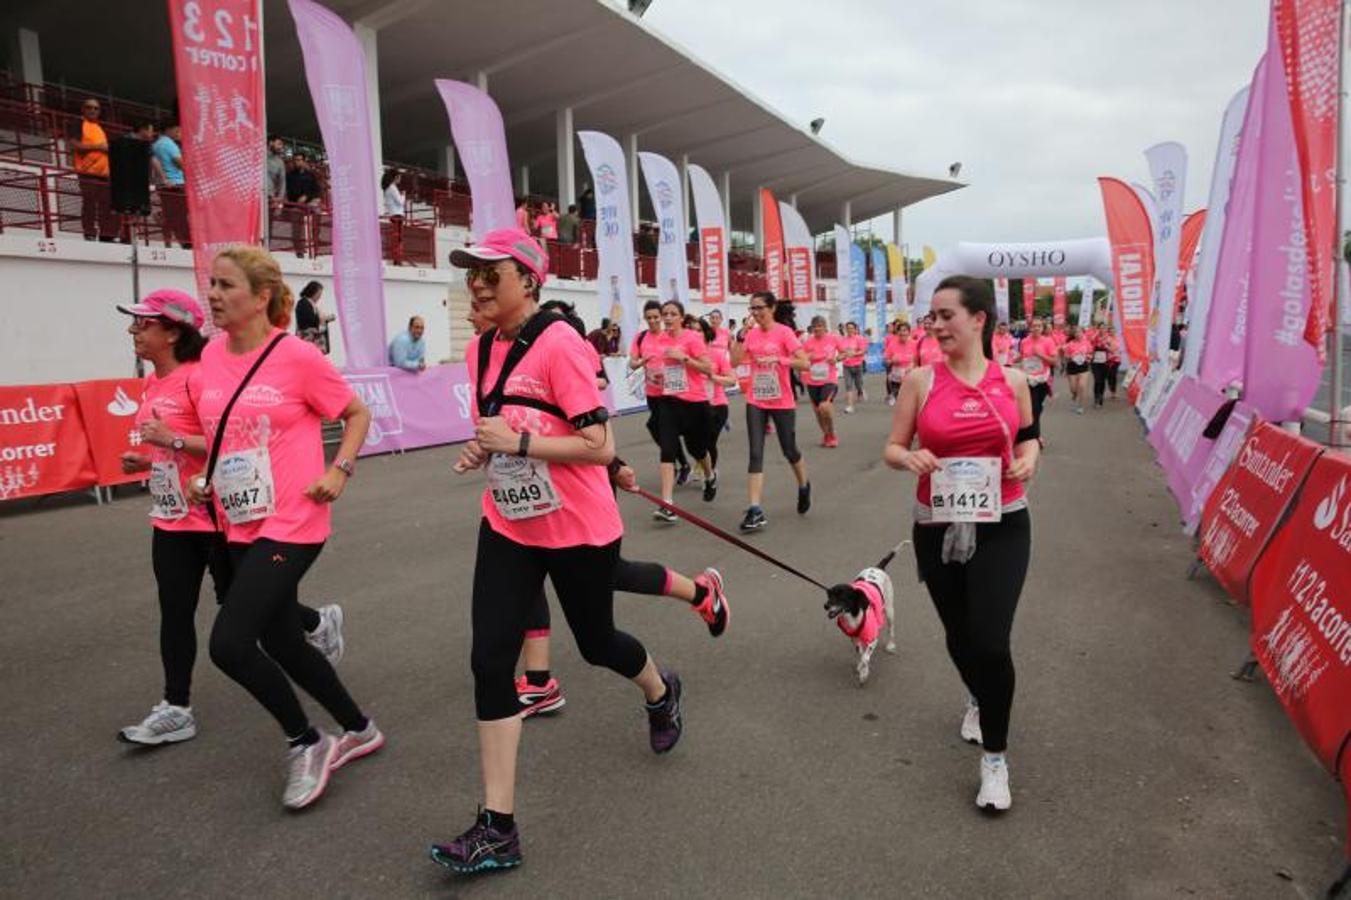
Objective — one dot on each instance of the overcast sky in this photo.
(1036, 98)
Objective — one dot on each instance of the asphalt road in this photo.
(1139, 768)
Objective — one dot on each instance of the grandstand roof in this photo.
(618, 75)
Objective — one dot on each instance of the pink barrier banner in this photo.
(219, 74)
(1221, 455)
(411, 410)
(1281, 370)
(335, 69)
(1177, 437)
(476, 126)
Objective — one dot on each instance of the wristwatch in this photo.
(178, 443)
(345, 465)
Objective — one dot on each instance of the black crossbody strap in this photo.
(490, 404)
(225, 415)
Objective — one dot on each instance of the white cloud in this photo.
(1036, 99)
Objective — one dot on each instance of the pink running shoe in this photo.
(714, 610)
(537, 701)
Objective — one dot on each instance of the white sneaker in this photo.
(166, 724)
(891, 401)
(994, 783)
(327, 638)
(356, 744)
(307, 771)
(849, 409)
(971, 723)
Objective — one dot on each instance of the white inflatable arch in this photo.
(1087, 256)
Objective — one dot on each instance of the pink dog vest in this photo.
(873, 617)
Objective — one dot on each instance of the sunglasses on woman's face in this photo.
(489, 274)
(139, 322)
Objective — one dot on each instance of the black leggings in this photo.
(180, 559)
(630, 576)
(654, 410)
(258, 639)
(682, 419)
(893, 387)
(717, 419)
(976, 602)
(785, 427)
(1104, 375)
(1039, 394)
(508, 584)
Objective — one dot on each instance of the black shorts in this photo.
(682, 419)
(822, 393)
(1076, 368)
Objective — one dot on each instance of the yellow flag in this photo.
(895, 262)
(930, 257)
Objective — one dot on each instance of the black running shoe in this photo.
(682, 474)
(804, 499)
(710, 488)
(662, 514)
(482, 848)
(754, 520)
(665, 722)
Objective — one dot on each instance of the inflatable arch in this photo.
(1088, 256)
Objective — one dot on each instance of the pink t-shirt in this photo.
(1078, 351)
(281, 411)
(769, 353)
(1031, 350)
(928, 351)
(903, 352)
(558, 372)
(173, 400)
(957, 421)
(854, 348)
(673, 370)
(1059, 337)
(821, 352)
(1003, 348)
(547, 225)
(722, 365)
(722, 339)
(645, 349)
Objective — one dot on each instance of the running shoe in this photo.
(682, 474)
(994, 783)
(830, 441)
(971, 723)
(714, 610)
(891, 401)
(711, 488)
(482, 848)
(662, 514)
(166, 724)
(754, 519)
(539, 700)
(665, 720)
(804, 499)
(356, 744)
(849, 409)
(327, 638)
(307, 771)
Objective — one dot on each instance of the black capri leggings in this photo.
(682, 419)
(1039, 394)
(508, 587)
(976, 602)
(785, 426)
(654, 405)
(258, 639)
(717, 419)
(630, 576)
(180, 559)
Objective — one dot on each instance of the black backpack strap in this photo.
(490, 404)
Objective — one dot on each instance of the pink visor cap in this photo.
(504, 243)
(175, 306)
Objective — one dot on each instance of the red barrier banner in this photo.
(1301, 609)
(1247, 505)
(1029, 297)
(42, 443)
(1060, 301)
(108, 409)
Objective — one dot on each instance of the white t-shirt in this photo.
(393, 201)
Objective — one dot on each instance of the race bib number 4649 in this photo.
(966, 489)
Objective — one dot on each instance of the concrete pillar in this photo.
(896, 226)
(758, 222)
(685, 199)
(631, 166)
(846, 214)
(726, 190)
(26, 51)
(481, 81)
(565, 142)
(523, 182)
(792, 200)
(368, 37)
(446, 163)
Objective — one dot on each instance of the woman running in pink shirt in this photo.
(823, 351)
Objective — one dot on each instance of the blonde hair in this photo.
(263, 273)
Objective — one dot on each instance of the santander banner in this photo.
(1192, 227)
(1168, 170)
(773, 242)
(1249, 502)
(43, 448)
(843, 262)
(218, 70)
(799, 255)
(1199, 298)
(1132, 241)
(108, 410)
(1301, 610)
(858, 285)
(712, 236)
(481, 142)
(879, 293)
(1307, 32)
(335, 69)
(664, 187)
(1281, 370)
(616, 278)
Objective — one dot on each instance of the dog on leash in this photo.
(863, 609)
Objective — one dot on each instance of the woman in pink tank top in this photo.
(972, 533)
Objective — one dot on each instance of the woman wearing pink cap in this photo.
(264, 396)
(543, 436)
(972, 533)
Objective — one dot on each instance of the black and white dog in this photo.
(862, 609)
